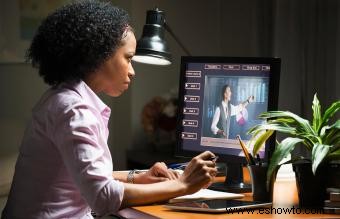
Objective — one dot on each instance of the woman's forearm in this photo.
(120, 175)
(198, 174)
(137, 194)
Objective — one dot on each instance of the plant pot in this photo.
(261, 191)
(311, 188)
(333, 175)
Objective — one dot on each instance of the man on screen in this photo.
(221, 120)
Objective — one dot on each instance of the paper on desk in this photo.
(205, 194)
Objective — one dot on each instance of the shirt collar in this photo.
(87, 93)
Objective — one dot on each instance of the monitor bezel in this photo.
(274, 80)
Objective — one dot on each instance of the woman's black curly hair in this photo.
(76, 39)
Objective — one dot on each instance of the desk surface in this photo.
(285, 196)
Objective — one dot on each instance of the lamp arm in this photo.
(167, 28)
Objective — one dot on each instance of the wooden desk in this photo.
(285, 196)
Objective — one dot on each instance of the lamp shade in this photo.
(152, 47)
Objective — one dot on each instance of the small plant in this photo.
(318, 136)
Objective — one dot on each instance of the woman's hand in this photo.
(199, 172)
(157, 173)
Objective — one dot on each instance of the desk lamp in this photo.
(152, 47)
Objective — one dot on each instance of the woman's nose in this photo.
(131, 71)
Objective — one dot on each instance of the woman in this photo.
(221, 121)
(64, 168)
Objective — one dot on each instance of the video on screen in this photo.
(231, 105)
(220, 102)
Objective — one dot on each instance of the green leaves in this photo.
(282, 150)
(319, 152)
(319, 137)
(284, 122)
(331, 134)
(289, 119)
(261, 140)
(317, 119)
(335, 155)
(329, 113)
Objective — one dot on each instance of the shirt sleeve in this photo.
(216, 117)
(81, 141)
(235, 109)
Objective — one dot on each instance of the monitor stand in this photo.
(234, 180)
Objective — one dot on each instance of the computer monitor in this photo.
(220, 98)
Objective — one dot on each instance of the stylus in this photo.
(214, 158)
(181, 166)
(177, 166)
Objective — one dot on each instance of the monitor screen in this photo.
(221, 98)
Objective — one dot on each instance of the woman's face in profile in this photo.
(227, 94)
(115, 75)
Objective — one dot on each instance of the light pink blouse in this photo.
(64, 168)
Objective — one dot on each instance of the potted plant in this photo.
(319, 137)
